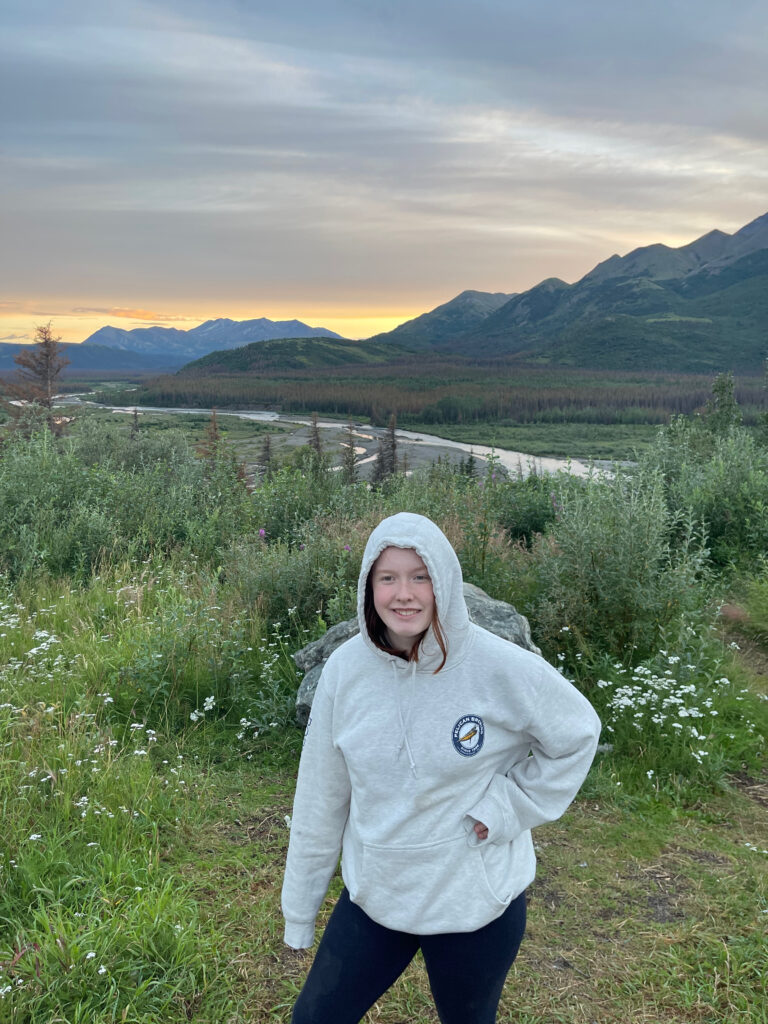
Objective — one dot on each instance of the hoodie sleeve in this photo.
(320, 811)
(563, 732)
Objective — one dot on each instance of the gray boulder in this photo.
(496, 616)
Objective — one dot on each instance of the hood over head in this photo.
(409, 530)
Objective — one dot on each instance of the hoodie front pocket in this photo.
(441, 887)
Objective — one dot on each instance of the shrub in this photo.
(527, 506)
(610, 578)
(720, 481)
(68, 507)
(299, 581)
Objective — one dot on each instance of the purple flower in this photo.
(262, 532)
(347, 547)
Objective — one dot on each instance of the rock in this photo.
(496, 616)
(319, 651)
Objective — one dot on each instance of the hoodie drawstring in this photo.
(404, 741)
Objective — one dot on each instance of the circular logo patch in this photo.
(468, 735)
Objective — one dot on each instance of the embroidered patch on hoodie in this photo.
(468, 735)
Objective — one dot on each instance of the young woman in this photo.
(432, 750)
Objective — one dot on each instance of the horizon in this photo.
(168, 163)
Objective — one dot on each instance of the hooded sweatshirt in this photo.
(400, 762)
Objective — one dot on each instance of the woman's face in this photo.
(402, 595)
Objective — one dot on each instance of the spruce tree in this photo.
(39, 369)
(314, 437)
(266, 457)
(386, 457)
(390, 447)
(378, 473)
(348, 464)
(722, 411)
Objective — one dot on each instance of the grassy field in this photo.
(583, 441)
(637, 912)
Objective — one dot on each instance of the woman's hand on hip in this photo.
(481, 830)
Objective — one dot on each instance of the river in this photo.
(516, 463)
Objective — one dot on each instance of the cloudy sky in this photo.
(353, 163)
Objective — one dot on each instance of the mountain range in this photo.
(87, 358)
(163, 349)
(213, 335)
(701, 307)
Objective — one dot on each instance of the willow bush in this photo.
(610, 577)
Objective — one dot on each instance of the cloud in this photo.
(14, 337)
(159, 152)
(128, 314)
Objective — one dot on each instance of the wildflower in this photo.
(650, 773)
(102, 969)
(90, 956)
(262, 532)
(35, 835)
(208, 703)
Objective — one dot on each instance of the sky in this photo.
(354, 163)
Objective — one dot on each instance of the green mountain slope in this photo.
(451, 320)
(700, 308)
(707, 321)
(292, 354)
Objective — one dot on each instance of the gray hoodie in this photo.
(400, 762)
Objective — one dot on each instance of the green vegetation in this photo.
(293, 354)
(611, 441)
(646, 315)
(149, 603)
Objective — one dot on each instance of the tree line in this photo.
(458, 399)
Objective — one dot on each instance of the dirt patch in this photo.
(753, 655)
(662, 909)
(755, 789)
(267, 827)
(706, 857)
(541, 891)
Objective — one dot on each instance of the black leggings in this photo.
(357, 960)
